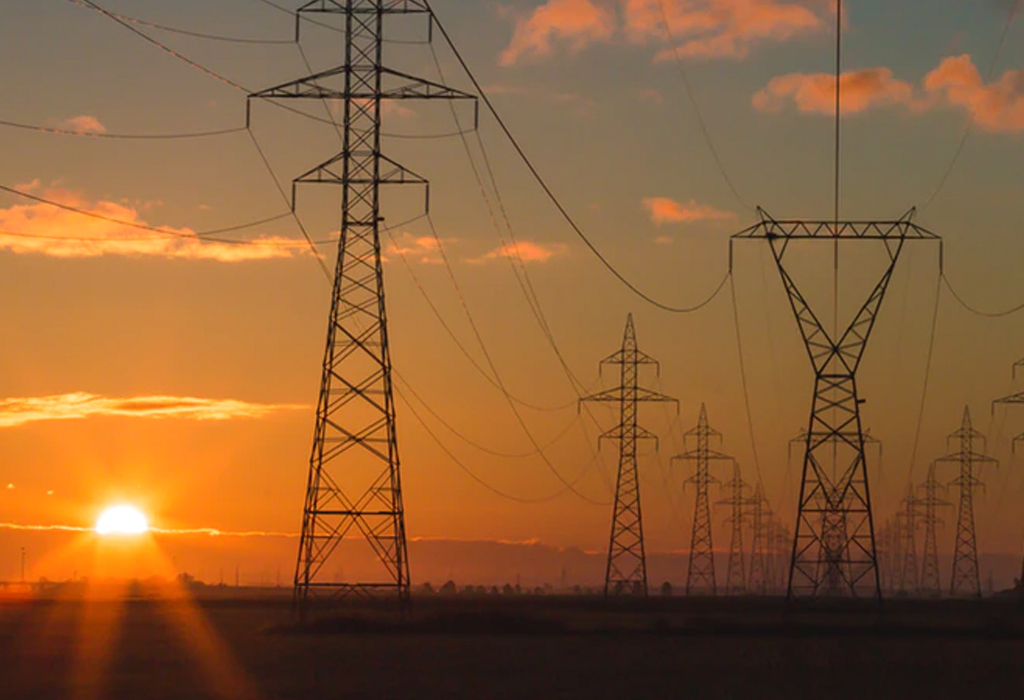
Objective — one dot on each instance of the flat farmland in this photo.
(245, 647)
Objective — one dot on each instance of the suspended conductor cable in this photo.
(104, 135)
(838, 164)
(670, 35)
(969, 125)
(554, 198)
(927, 381)
(743, 379)
(973, 310)
(198, 35)
(295, 216)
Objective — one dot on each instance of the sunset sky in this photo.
(182, 375)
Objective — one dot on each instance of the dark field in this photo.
(518, 648)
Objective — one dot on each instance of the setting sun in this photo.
(122, 520)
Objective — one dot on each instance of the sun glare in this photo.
(122, 520)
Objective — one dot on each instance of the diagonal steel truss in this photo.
(834, 549)
(931, 580)
(354, 488)
(626, 572)
(738, 500)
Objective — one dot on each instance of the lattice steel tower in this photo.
(966, 576)
(626, 572)
(907, 522)
(760, 514)
(354, 490)
(931, 579)
(700, 576)
(736, 573)
(834, 543)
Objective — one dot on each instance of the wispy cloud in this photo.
(83, 123)
(42, 229)
(526, 251)
(16, 412)
(422, 249)
(956, 82)
(664, 210)
(702, 28)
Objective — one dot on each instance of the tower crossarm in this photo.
(385, 7)
(395, 86)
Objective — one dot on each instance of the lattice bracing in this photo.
(626, 571)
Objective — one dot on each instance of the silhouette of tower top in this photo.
(966, 578)
(626, 572)
(354, 492)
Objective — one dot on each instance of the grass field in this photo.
(226, 646)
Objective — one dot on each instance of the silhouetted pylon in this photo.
(736, 575)
(700, 576)
(626, 572)
(907, 518)
(931, 579)
(354, 491)
(966, 578)
(759, 514)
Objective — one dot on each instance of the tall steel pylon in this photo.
(1012, 400)
(931, 579)
(966, 578)
(760, 514)
(738, 500)
(626, 571)
(354, 489)
(834, 550)
(700, 576)
(907, 525)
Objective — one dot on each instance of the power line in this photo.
(134, 224)
(696, 108)
(973, 310)
(927, 381)
(104, 135)
(198, 35)
(553, 198)
(743, 379)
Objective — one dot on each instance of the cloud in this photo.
(526, 251)
(42, 229)
(956, 82)
(422, 249)
(577, 23)
(83, 123)
(815, 93)
(996, 107)
(78, 406)
(668, 211)
(702, 28)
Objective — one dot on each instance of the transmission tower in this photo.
(931, 583)
(354, 488)
(627, 561)
(834, 549)
(760, 514)
(907, 519)
(1012, 400)
(966, 576)
(700, 577)
(736, 576)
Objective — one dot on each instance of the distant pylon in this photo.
(626, 572)
(931, 579)
(700, 576)
(759, 517)
(1012, 400)
(736, 575)
(966, 578)
(907, 517)
(354, 491)
(834, 543)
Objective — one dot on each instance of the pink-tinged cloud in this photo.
(721, 28)
(815, 93)
(957, 82)
(525, 251)
(16, 412)
(668, 211)
(83, 123)
(575, 23)
(422, 249)
(42, 229)
(996, 107)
